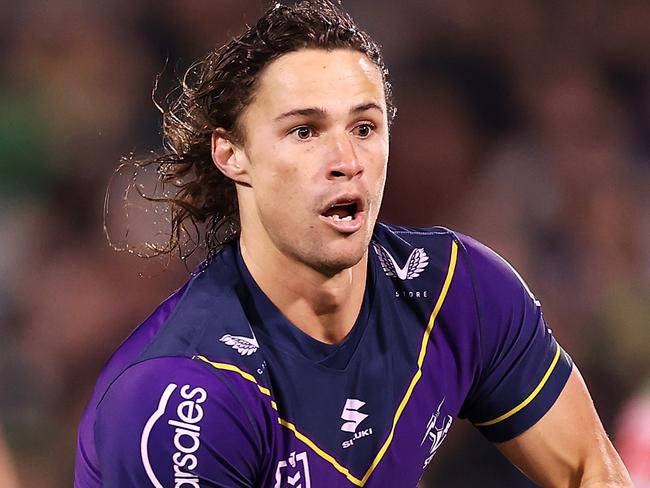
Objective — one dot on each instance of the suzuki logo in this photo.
(352, 415)
(353, 418)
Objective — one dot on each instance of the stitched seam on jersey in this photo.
(443, 231)
(529, 398)
(168, 323)
(131, 365)
(477, 302)
(395, 232)
(415, 233)
(407, 396)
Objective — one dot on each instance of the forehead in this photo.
(332, 80)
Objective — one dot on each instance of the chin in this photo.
(340, 263)
(338, 256)
(327, 252)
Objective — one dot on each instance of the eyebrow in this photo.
(321, 113)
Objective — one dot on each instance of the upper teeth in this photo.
(346, 218)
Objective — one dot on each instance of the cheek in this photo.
(377, 181)
(298, 171)
(377, 165)
(283, 190)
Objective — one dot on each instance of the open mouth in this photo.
(345, 214)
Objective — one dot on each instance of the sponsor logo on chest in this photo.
(414, 266)
(353, 418)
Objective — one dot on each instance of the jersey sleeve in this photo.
(171, 422)
(522, 368)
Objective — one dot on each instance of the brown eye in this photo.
(303, 133)
(364, 130)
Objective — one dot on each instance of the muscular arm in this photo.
(529, 398)
(568, 446)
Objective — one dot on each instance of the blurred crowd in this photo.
(523, 123)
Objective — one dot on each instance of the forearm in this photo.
(610, 472)
(611, 483)
(568, 447)
(607, 484)
(605, 469)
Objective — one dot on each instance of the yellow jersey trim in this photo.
(530, 397)
(243, 374)
(423, 351)
(400, 409)
(327, 457)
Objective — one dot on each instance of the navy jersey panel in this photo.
(446, 329)
(523, 369)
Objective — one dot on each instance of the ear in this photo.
(227, 156)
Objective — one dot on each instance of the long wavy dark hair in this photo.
(212, 94)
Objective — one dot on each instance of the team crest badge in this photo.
(437, 429)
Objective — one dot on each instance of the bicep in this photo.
(169, 421)
(568, 446)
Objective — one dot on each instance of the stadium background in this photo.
(523, 123)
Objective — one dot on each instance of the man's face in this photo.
(315, 156)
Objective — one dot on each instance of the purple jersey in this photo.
(218, 389)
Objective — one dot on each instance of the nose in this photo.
(344, 162)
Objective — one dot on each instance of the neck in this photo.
(324, 307)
